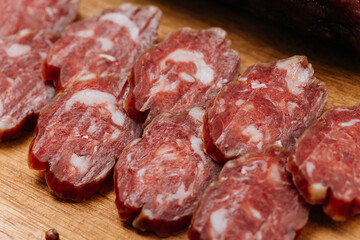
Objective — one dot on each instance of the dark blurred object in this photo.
(336, 20)
(52, 234)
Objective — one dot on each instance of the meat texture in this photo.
(105, 44)
(84, 130)
(271, 103)
(337, 20)
(253, 199)
(23, 91)
(80, 135)
(189, 67)
(325, 162)
(35, 15)
(160, 178)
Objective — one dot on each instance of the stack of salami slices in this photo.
(190, 141)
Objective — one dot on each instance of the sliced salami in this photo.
(23, 91)
(80, 135)
(107, 43)
(271, 103)
(35, 15)
(159, 178)
(325, 162)
(187, 68)
(253, 198)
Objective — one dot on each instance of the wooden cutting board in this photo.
(28, 208)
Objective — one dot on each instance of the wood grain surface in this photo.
(28, 208)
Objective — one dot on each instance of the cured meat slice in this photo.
(325, 162)
(187, 68)
(253, 198)
(23, 91)
(105, 44)
(35, 15)
(271, 103)
(159, 178)
(80, 135)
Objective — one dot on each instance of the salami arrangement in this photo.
(36, 15)
(165, 117)
(189, 67)
(270, 103)
(105, 44)
(80, 135)
(23, 91)
(253, 198)
(325, 162)
(160, 177)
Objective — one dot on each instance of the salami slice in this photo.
(187, 68)
(35, 15)
(271, 103)
(23, 91)
(105, 44)
(159, 178)
(80, 135)
(325, 162)
(253, 198)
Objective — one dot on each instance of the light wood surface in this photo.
(28, 208)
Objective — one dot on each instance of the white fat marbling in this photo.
(274, 174)
(181, 194)
(85, 33)
(94, 97)
(253, 133)
(106, 44)
(296, 76)
(197, 146)
(87, 77)
(116, 133)
(310, 168)
(350, 123)
(123, 20)
(17, 50)
(256, 84)
(255, 213)
(80, 163)
(197, 113)
(108, 57)
(204, 72)
(219, 221)
(317, 192)
(239, 102)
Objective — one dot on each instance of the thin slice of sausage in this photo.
(271, 103)
(325, 162)
(253, 198)
(107, 43)
(80, 135)
(160, 178)
(189, 67)
(23, 91)
(36, 15)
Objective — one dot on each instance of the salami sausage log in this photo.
(80, 135)
(189, 67)
(159, 178)
(23, 91)
(35, 15)
(271, 103)
(325, 162)
(107, 43)
(253, 198)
